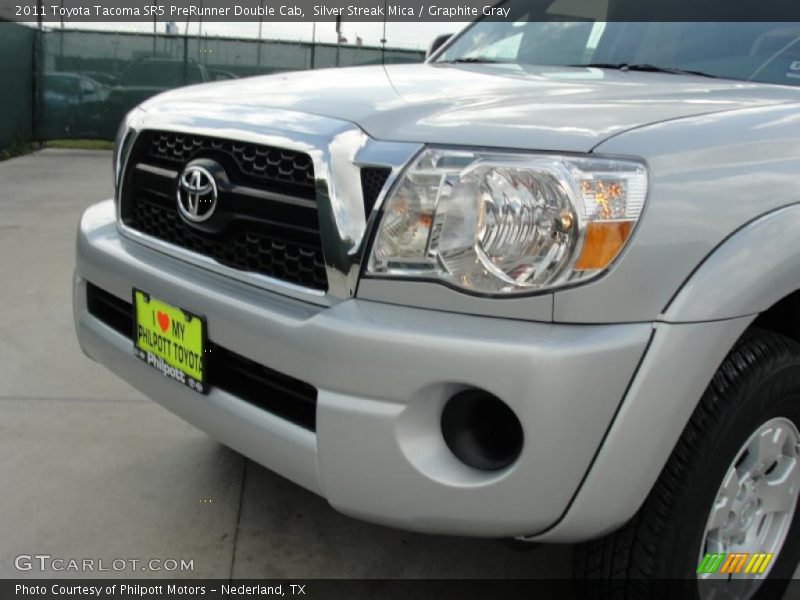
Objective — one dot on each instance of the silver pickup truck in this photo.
(543, 286)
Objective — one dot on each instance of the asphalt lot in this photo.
(92, 469)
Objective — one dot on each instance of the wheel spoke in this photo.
(719, 514)
(715, 544)
(769, 446)
(722, 506)
(752, 544)
(731, 486)
(780, 495)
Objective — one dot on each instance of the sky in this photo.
(400, 35)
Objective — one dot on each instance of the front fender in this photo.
(676, 369)
(746, 274)
(750, 271)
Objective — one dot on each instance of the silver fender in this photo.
(750, 271)
(676, 369)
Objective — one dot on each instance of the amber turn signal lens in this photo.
(602, 244)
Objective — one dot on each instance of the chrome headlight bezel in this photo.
(570, 216)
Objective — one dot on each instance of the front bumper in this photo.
(383, 373)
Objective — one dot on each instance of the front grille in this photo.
(280, 394)
(272, 168)
(266, 221)
(247, 250)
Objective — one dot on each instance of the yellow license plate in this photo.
(170, 339)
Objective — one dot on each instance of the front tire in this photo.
(730, 485)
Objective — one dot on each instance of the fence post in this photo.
(185, 60)
(38, 82)
(155, 28)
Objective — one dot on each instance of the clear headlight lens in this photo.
(507, 223)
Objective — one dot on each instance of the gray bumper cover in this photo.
(383, 374)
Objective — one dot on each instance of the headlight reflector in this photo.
(507, 223)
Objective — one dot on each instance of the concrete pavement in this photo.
(91, 469)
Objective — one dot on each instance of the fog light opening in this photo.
(481, 430)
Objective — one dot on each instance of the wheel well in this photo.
(783, 317)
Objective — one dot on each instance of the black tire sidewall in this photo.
(770, 390)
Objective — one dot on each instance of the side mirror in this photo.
(437, 43)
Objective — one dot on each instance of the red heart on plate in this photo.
(163, 321)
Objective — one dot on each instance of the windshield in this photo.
(748, 51)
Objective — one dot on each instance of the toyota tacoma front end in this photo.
(511, 298)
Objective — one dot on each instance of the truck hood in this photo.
(503, 106)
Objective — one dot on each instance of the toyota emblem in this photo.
(197, 194)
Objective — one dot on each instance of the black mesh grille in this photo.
(266, 221)
(255, 250)
(280, 394)
(372, 181)
(277, 169)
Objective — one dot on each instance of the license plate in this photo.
(170, 339)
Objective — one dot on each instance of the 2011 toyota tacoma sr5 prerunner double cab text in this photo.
(543, 286)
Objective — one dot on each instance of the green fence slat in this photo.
(17, 91)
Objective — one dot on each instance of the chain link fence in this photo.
(79, 84)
